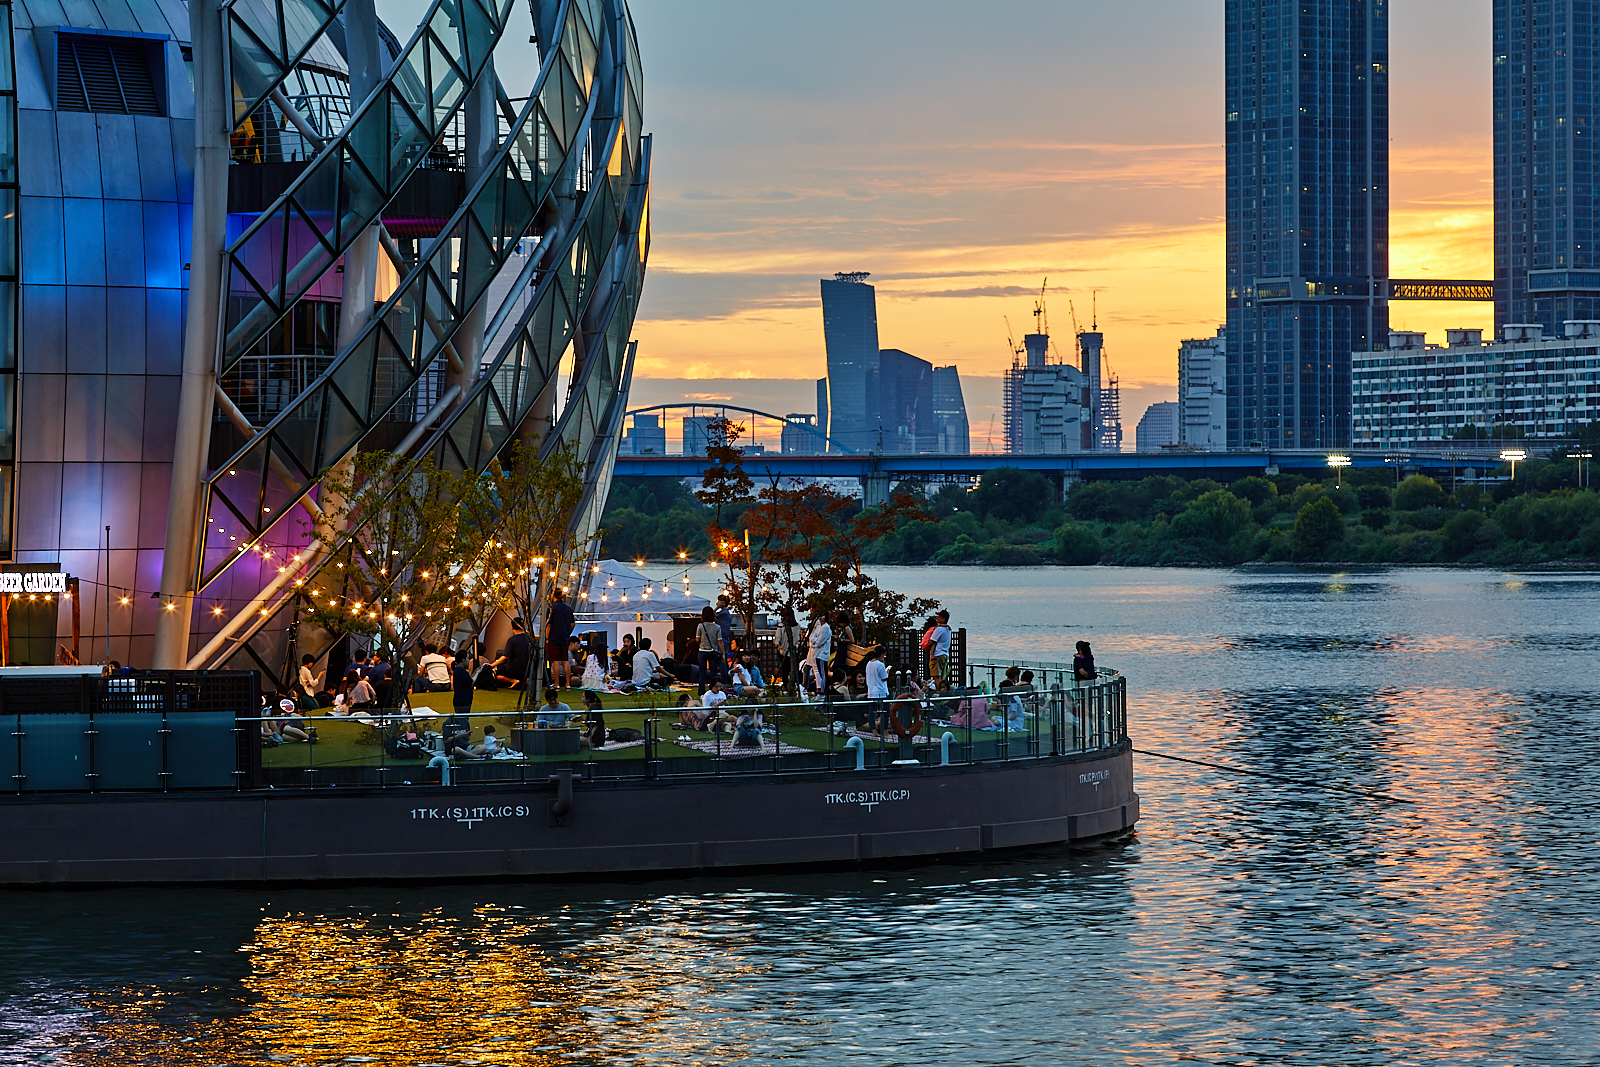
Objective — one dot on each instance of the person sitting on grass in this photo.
(552, 713)
(744, 684)
(492, 745)
(457, 733)
(691, 716)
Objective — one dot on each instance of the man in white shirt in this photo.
(434, 669)
(647, 667)
(877, 690)
(940, 651)
(821, 649)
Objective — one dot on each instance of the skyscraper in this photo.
(850, 330)
(1308, 213)
(903, 391)
(950, 412)
(1546, 268)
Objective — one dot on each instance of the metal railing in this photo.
(161, 732)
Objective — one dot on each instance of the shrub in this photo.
(1418, 492)
(1318, 528)
(999, 554)
(1078, 545)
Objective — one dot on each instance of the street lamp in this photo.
(1338, 463)
(1583, 481)
(1512, 455)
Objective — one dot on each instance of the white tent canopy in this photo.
(618, 593)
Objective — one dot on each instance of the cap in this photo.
(286, 704)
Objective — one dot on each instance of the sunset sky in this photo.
(964, 152)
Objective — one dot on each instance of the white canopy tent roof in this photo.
(618, 593)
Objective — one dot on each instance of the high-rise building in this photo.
(1158, 428)
(1546, 263)
(902, 390)
(950, 412)
(1048, 406)
(646, 437)
(799, 436)
(1203, 392)
(850, 330)
(1528, 385)
(697, 433)
(1307, 133)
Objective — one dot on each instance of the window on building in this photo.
(105, 73)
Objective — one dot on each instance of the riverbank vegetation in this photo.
(1014, 517)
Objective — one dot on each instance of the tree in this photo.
(1013, 495)
(1077, 545)
(1215, 516)
(1318, 528)
(1418, 492)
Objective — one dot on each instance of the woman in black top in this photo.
(1083, 665)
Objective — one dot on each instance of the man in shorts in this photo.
(940, 650)
(557, 633)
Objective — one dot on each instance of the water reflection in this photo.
(1251, 920)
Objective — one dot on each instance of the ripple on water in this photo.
(1251, 920)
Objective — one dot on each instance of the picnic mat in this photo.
(886, 738)
(732, 751)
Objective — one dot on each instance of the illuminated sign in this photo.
(15, 582)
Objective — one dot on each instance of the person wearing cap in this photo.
(940, 650)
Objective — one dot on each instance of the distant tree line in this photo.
(1014, 517)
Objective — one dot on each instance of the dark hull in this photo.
(467, 832)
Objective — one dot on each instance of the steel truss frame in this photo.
(573, 172)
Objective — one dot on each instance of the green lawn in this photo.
(342, 742)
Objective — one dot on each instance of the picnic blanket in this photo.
(732, 751)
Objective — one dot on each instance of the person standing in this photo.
(1083, 671)
(711, 650)
(877, 718)
(821, 648)
(940, 658)
(725, 624)
(557, 632)
(461, 683)
(788, 639)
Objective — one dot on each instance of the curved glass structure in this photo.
(503, 229)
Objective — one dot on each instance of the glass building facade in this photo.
(1545, 266)
(1307, 213)
(97, 150)
(850, 330)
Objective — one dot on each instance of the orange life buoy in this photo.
(905, 716)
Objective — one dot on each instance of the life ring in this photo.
(905, 716)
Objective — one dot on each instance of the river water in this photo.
(1419, 885)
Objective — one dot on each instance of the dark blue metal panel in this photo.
(84, 229)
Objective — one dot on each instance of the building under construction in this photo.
(1052, 405)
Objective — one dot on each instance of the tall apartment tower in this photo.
(850, 330)
(1307, 131)
(1546, 264)
(1202, 392)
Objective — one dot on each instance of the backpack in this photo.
(485, 679)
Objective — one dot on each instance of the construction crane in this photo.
(1041, 318)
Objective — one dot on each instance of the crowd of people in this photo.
(824, 659)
